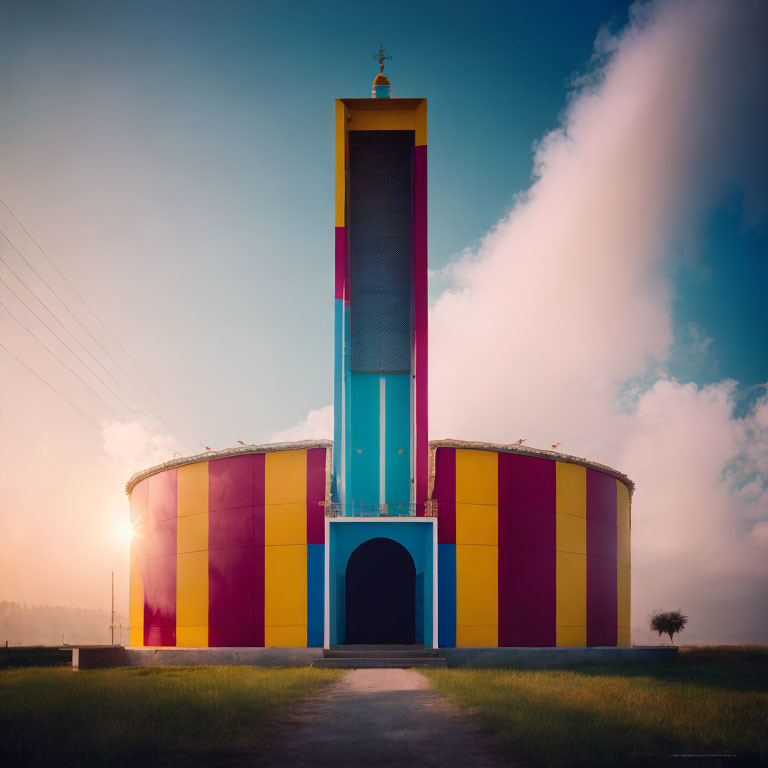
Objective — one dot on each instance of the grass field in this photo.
(172, 716)
(710, 701)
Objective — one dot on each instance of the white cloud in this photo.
(569, 298)
(317, 426)
(132, 446)
(759, 534)
(691, 540)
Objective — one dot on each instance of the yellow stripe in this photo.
(623, 572)
(285, 497)
(192, 599)
(285, 595)
(477, 474)
(622, 523)
(477, 553)
(340, 164)
(192, 556)
(285, 637)
(477, 596)
(477, 637)
(285, 553)
(571, 489)
(421, 124)
(571, 621)
(477, 524)
(192, 533)
(382, 120)
(136, 601)
(192, 489)
(571, 556)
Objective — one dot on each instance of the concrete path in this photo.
(380, 717)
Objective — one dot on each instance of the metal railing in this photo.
(428, 509)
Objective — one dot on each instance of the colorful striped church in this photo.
(380, 537)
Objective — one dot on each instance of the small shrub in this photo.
(667, 623)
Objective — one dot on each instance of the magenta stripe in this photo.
(138, 503)
(527, 570)
(258, 594)
(161, 495)
(159, 571)
(347, 278)
(230, 482)
(315, 495)
(259, 470)
(231, 614)
(527, 607)
(160, 600)
(233, 531)
(160, 591)
(162, 538)
(341, 261)
(445, 493)
(162, 636)
(259, 464)
(230, 528)
(420, 321)
(601, 559)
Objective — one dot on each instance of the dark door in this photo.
(380, 599)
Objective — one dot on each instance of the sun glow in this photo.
(125, 532)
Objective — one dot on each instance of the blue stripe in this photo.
(347, 444)
(446, 600)
(315, 594)
(364, 470)
(398, 441)
(338, 445)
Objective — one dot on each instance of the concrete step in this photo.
(379, 663)
(380, 647)
(380, 653)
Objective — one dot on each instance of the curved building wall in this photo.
(532, 551)
(229, 552)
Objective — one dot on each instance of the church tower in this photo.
(380, 372)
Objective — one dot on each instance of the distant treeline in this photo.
(46, 624)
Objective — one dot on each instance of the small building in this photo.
(380, 537)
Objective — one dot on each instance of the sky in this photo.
(598, 219)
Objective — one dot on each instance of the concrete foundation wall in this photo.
(99, 658)
(111, 656)
(552, 657)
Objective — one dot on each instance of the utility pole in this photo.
(112, 622)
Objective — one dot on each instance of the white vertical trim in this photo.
(327, 587)
(342, 481)
(382, 440)
(434, 583)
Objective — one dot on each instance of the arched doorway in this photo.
(380, 594)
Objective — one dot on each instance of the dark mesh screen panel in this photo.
(380, 250)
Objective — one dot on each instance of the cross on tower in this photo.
(381, 55)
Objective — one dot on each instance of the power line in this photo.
(64, 327)
(77, 357)
(50, 386)
(101, 322)
(96, 341)
(64, 363)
